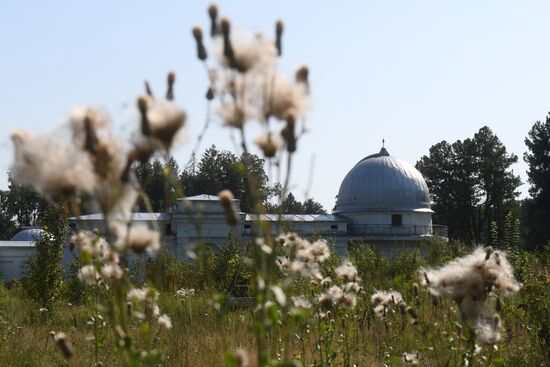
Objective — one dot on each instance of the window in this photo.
(396, 219)
(247, 226)
(334, 227)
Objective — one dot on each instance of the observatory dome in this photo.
(380, 182)
(29, 234)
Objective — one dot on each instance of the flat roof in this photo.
(136, 217)
(296, 218)
(16, 244)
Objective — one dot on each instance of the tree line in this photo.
(475, 192)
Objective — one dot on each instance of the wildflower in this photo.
(171, 79)
(382, 300)
(112, 271)
(50, 165)
(349, 300)
(213, 14)
(289, 133)
(201, 50)
(326, 282)
(241, 358)
(86, 123)
(269, 144)
(411, 358)
(301, 302)
(469, 280)
(335, 293)
(346, 271)
(232, 115)
(320, 251)
(488, 330)
(302, 76)
(160, 119)
(353, 287)
(141, 238)
(64, 344)
(185, 293)
(279, 26)
(165, 322)
(227, 46)
(286, 99)
(248, 52)
(227, 200)
(137, 294)
(88, 275)
(280, 295)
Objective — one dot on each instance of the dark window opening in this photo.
(247, 226)
(334, 226)
(396, 219)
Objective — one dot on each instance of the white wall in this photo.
(12, 261)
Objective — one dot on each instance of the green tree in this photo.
(23, 204)
(8, 227)
(471, 185)
(43, 276)
(538, 207)
(219, 170)
(159, 182)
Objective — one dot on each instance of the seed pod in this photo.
(426, 278)
(91, 140)
(213, 14)
(498, 304)
(64, 345)
(279, 26)
(411, 312)
(201, 50)
(210, 94)
(496, 321)
(227, 47)
(226, 199)
(302, 76)
(170, 90)
(289, 134)
(142, 106)
(148, 89)
(488, 251)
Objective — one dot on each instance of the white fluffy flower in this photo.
(165, 322)
(346, 271)
(88, 275)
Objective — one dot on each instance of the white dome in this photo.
(28, 234)
(381, 182)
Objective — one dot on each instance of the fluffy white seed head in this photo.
(346, 271)
(141, 238)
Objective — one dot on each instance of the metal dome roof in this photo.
(28, 234)
(380, 182)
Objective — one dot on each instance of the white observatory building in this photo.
(383, 201)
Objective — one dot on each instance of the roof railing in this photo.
(398, 230)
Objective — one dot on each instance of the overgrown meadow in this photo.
(277, 300)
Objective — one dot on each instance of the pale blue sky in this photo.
(414, 72)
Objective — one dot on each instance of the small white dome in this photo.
(28, 234)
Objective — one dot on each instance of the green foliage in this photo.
(292, 206)
(538, 207)
(219, 170)
(43, 280)
(159, 183)
(472, 185)
(23, 203)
